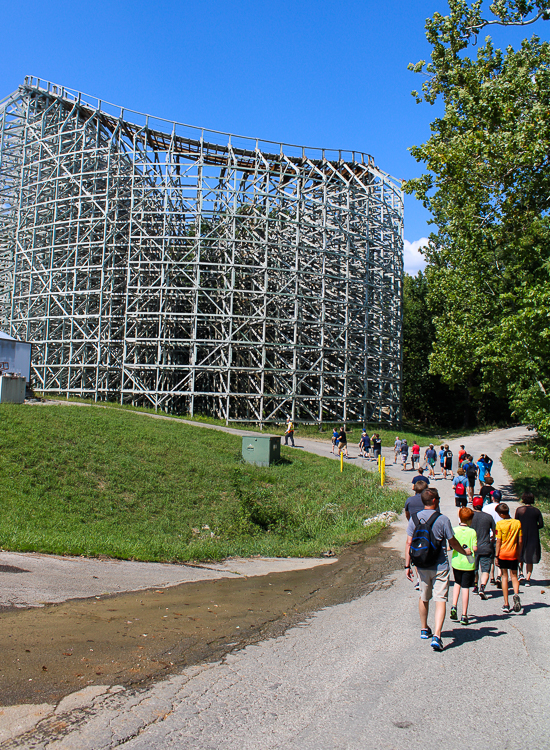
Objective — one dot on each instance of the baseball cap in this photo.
(496, 496)
(477, 502)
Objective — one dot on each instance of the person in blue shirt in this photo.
(484, 465)
(430, 455)
(335, 435)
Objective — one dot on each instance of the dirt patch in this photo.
(133, 639)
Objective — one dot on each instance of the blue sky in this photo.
(330, 74)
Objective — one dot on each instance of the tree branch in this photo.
(541, 14)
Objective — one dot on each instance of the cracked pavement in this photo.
(351, 676)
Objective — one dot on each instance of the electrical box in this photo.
(12, 389)
(262, 450)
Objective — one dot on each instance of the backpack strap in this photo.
(429, 523)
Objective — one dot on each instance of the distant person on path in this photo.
(362, 451)
(334, 440)
(420, 477)
(461, 455)
(343, 442)
(484, 525)
(415, 455)
(460, 484)
(487, 489)
(471, 472)
(397, 448)
(508, 553)
(433, 572)
(430, 455)
(404, 454)
(442, 459)
(447, 462)
(377, 446)
(463, 567)
(531, 522)
(484, 465)
(289, 432)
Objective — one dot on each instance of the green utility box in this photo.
(262, 450)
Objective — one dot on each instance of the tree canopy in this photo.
(487, 186)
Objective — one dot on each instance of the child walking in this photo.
(463, 567)
(508, 553)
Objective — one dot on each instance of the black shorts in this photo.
(461, 501)
(471, 481)
(507, 564)
(464, 578)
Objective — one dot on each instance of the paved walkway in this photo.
(354, 676)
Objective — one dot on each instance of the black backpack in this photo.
(424, 546)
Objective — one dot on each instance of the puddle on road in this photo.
(135, 638)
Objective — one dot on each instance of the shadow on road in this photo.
(464, 635)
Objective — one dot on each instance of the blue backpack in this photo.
(425, 547)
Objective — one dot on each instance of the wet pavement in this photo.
(135, 638)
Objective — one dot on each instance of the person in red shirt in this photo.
(461, 455)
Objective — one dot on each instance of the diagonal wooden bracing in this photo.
(164, 265)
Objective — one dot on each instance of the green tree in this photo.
(425, 396)
(487, 186)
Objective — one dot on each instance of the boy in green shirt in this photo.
(463, 567)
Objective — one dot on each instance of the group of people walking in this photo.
(488, 546)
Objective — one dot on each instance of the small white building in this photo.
(15, 368)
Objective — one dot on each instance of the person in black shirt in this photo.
(484, 526)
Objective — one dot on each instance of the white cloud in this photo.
(413, 260)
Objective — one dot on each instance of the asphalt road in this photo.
(354, 676)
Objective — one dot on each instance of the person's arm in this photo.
(408, 570)
(497, 548)
(540, 521)
(455, 544)
(407, 515)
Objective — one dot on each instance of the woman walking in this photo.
(531, 522)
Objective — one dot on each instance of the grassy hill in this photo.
(90, 481)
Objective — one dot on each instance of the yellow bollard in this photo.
(379, 462)
(341, 460)
(382, 472)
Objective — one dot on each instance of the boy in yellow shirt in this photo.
(508, 553)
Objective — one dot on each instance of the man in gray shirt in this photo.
(434, 581)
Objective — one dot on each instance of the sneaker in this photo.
(453, 614)
(493, 582)
(426, 633)
(517, 603)
(417, 586)
(475, 590)
(436, 644)
(506, 609)
(521, 577)
(482, 594)
(464, 620)
(527, 582)
(498, 583)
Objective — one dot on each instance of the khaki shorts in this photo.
(434, 584)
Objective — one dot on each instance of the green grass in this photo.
(424, 435)
(94, 481)
(530, 474)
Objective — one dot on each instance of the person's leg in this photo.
(515, 581)
(440, 610)
(456, 594)
(423, 610)
(465, 601)
(529, 570)
(504, 579)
